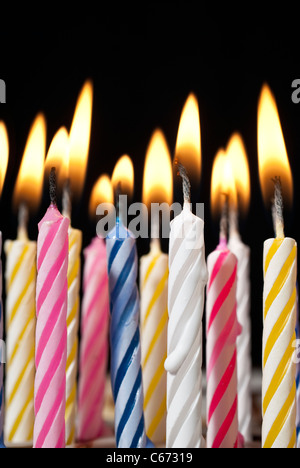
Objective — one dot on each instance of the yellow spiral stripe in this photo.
(285, 363)
(30, 357)
(73, 275)
(280, 420)
(159, 371)
(280, 280)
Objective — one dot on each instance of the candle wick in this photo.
(52, 186)
(66, 201)
(23, 222)
(224, 219)
(186, 184)
(118, 192)
(277, 209)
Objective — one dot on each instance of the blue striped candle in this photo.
(126, 374)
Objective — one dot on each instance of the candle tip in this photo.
(185, 181)
(52, 186)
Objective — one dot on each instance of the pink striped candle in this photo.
(94, 342)
(51, 330)
(221, 355)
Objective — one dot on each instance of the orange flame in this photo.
(158, 173)
(4, 152)
(188, 146)
(236, 152)
(272, 155)
(102, 193)
(58, 157)
(80, 139)
(29, 185)
(124, 175)
(222, 183)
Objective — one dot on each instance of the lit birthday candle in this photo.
(154, 274)
(4, 153)
(236, 153)
(20, 279)
(280, 295)
(51, 327)
(69, 154)
(94, 327)
(126, 373)
(187, 281)
(222, 330)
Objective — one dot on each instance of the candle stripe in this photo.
(222, 331)
(280, 281)
(154, 275)
(51, 332)
(75, 243)
(126, 376)
(279, 327)
(187, 280)
(279, 368)
(94, 342)
(224, 427)
(20, 276)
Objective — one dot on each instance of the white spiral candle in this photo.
(187, 280)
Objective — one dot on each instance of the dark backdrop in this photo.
(144, 61)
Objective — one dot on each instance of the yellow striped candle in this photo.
(154, 273)
(279, 368)
(74, 276)
(20, 280)
(279, 296)
(20, 276)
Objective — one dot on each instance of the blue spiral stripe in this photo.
(129, 409)
(127, 360)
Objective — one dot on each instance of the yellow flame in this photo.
(236, 152)
(188, 146)
(222, 183)
(102, 193)
(29, 184)
(272, 155)
(58, 157)
(4, 153)
(158, 173)
(124, 175)
(80, 139)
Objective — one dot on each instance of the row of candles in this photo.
(156, 377)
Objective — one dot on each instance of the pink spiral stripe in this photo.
(94, 343)
(51, 331)
(222, 331)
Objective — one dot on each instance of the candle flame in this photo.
(4, 152)
(158, 172)
(124, 175)
(236, 152)
(58, 157)
(272, 154)
(222, 183)
(188, 146)
(80, 139)
(102, 193)
(29, 184)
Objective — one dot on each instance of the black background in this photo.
(144, 60)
